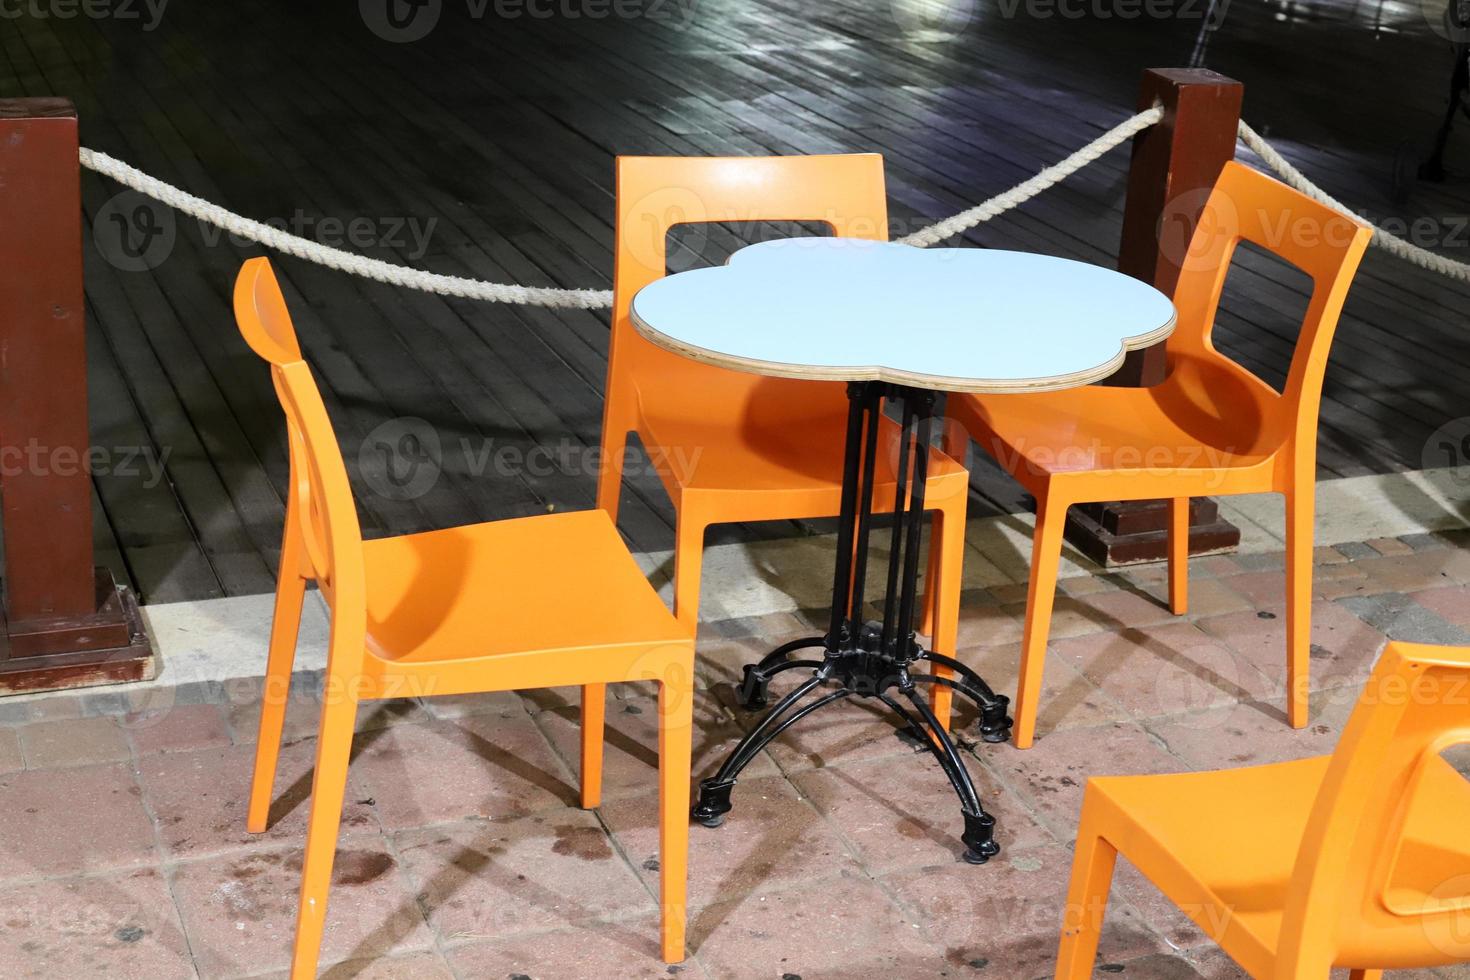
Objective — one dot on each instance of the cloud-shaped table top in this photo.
(955, 319)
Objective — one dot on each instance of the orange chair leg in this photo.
(1299, 518)
(328, 785)
(285, 625)
(1087, 900)
(688, 562)
(949, 543)
(675, 733)
(1365, 975)
(594, 714)
(1179, 555)
(1046, 557)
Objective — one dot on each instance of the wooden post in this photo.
(65, 623)
(1174, 166)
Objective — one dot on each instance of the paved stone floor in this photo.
(123, 851)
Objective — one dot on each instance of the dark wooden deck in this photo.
(503, 132)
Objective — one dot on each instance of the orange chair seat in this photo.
(1226, 859)
(551, 582)
(1196, 419)
(778, 435)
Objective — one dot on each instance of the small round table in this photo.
(901, 325)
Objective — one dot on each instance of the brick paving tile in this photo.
(1390, 546)
(901, 814)
(1068, 700)
(1248, 733)
(630, 743)
(1006, 914)
(425, 965)
(1421, 570)
(1164, 669)
(809, 932)
(477, 766)
(199, 799)
(240, 909)
(450, 706)
(74, 742)
(481, 880)
(181, 728)
(1103, 611)
(771, 839)
(1344, 648)
(121, 926)
(990, 624)
(58, 821)
(1049, 776)
(626, 950)
(1450, 602)
(11, 759)
(1213, 597)
(1399, 617)
(853, 730)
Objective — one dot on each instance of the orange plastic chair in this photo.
(1211, 428)
(536, 602)
(1357, 860)
(730, 446)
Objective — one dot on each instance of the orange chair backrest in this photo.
(1360, 880)
(654, 194)
(1324, 243)
(319, 507)
(261, 314)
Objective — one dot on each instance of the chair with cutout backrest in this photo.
(535, 602)
(729, 446)
(1357, 860)
(1212, 427)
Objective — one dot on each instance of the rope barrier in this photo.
(1025, 191)
(582, 299)
(598, 299)
(1295, 179)
(336, 258)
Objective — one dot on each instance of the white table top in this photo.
(951, 319)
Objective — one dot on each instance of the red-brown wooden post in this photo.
(1174, 166)
(65, 623)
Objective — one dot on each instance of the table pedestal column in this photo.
(873, 658)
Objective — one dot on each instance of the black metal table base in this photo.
(873, 658)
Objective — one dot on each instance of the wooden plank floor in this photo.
(486, 149)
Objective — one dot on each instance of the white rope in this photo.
(597, 299)
(584, 299)
(1023, 192)
(1294, 178)
(336, 258)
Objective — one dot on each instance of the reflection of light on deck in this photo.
(933, 20)
(1377, 16)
